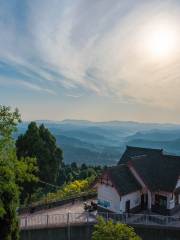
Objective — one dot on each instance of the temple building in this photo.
(144, 180)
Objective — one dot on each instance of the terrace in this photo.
(42, 220)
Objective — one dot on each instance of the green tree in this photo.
(38, 142)
(113, 231)
(13, 173)
(29, 184)
(86, 173)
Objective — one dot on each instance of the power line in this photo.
(52, 185)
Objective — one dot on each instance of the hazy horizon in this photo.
(93, 121)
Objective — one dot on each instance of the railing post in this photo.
(167, 218)
(146, 219)
(68, 218)
(126, 217)
(68, 226)
(47, 222)
(87, 217)
(25, 222)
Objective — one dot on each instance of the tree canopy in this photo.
(40, 143)
(13, 173)
(113, 231)
(72, 172)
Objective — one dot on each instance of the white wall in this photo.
(178, 183)
(173, 201)
(117, 203)
(170, 203)
(135, 200)
(108, 193)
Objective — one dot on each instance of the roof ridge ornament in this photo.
(138, 156)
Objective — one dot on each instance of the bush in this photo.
(113, 231)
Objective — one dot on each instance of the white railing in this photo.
(53, 220)
(143, 219)
(39, 221)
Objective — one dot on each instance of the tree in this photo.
(40, 143)
(86, 173)
(113, 231)
(74, 166)
(13, 173)
(29, 184)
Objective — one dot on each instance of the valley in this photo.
(102, 143)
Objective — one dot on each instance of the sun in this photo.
(161, 40)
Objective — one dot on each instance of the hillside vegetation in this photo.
(70, 190)
(102, 143)
(38, 142)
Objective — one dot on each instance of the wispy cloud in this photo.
(74, 96)
(92, 45)
(6, 81)
(35, 87)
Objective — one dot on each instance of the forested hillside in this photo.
(102, 143)
(39, 143)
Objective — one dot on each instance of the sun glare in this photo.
(161, 40)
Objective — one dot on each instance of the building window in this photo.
(104, 203)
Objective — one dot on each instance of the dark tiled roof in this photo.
(123, 179)
(158, 172)
(138, 151)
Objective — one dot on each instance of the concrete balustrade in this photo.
(58, 220)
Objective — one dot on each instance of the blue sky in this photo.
(88, 59)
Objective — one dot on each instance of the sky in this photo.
(99, 60)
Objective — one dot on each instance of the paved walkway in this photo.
(77, 207)
(71, 213)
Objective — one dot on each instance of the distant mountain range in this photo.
(104, 142)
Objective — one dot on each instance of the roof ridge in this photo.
(146, 148)
(115, 166)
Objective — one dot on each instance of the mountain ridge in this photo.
(102, 143)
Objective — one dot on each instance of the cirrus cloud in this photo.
(96, 46)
